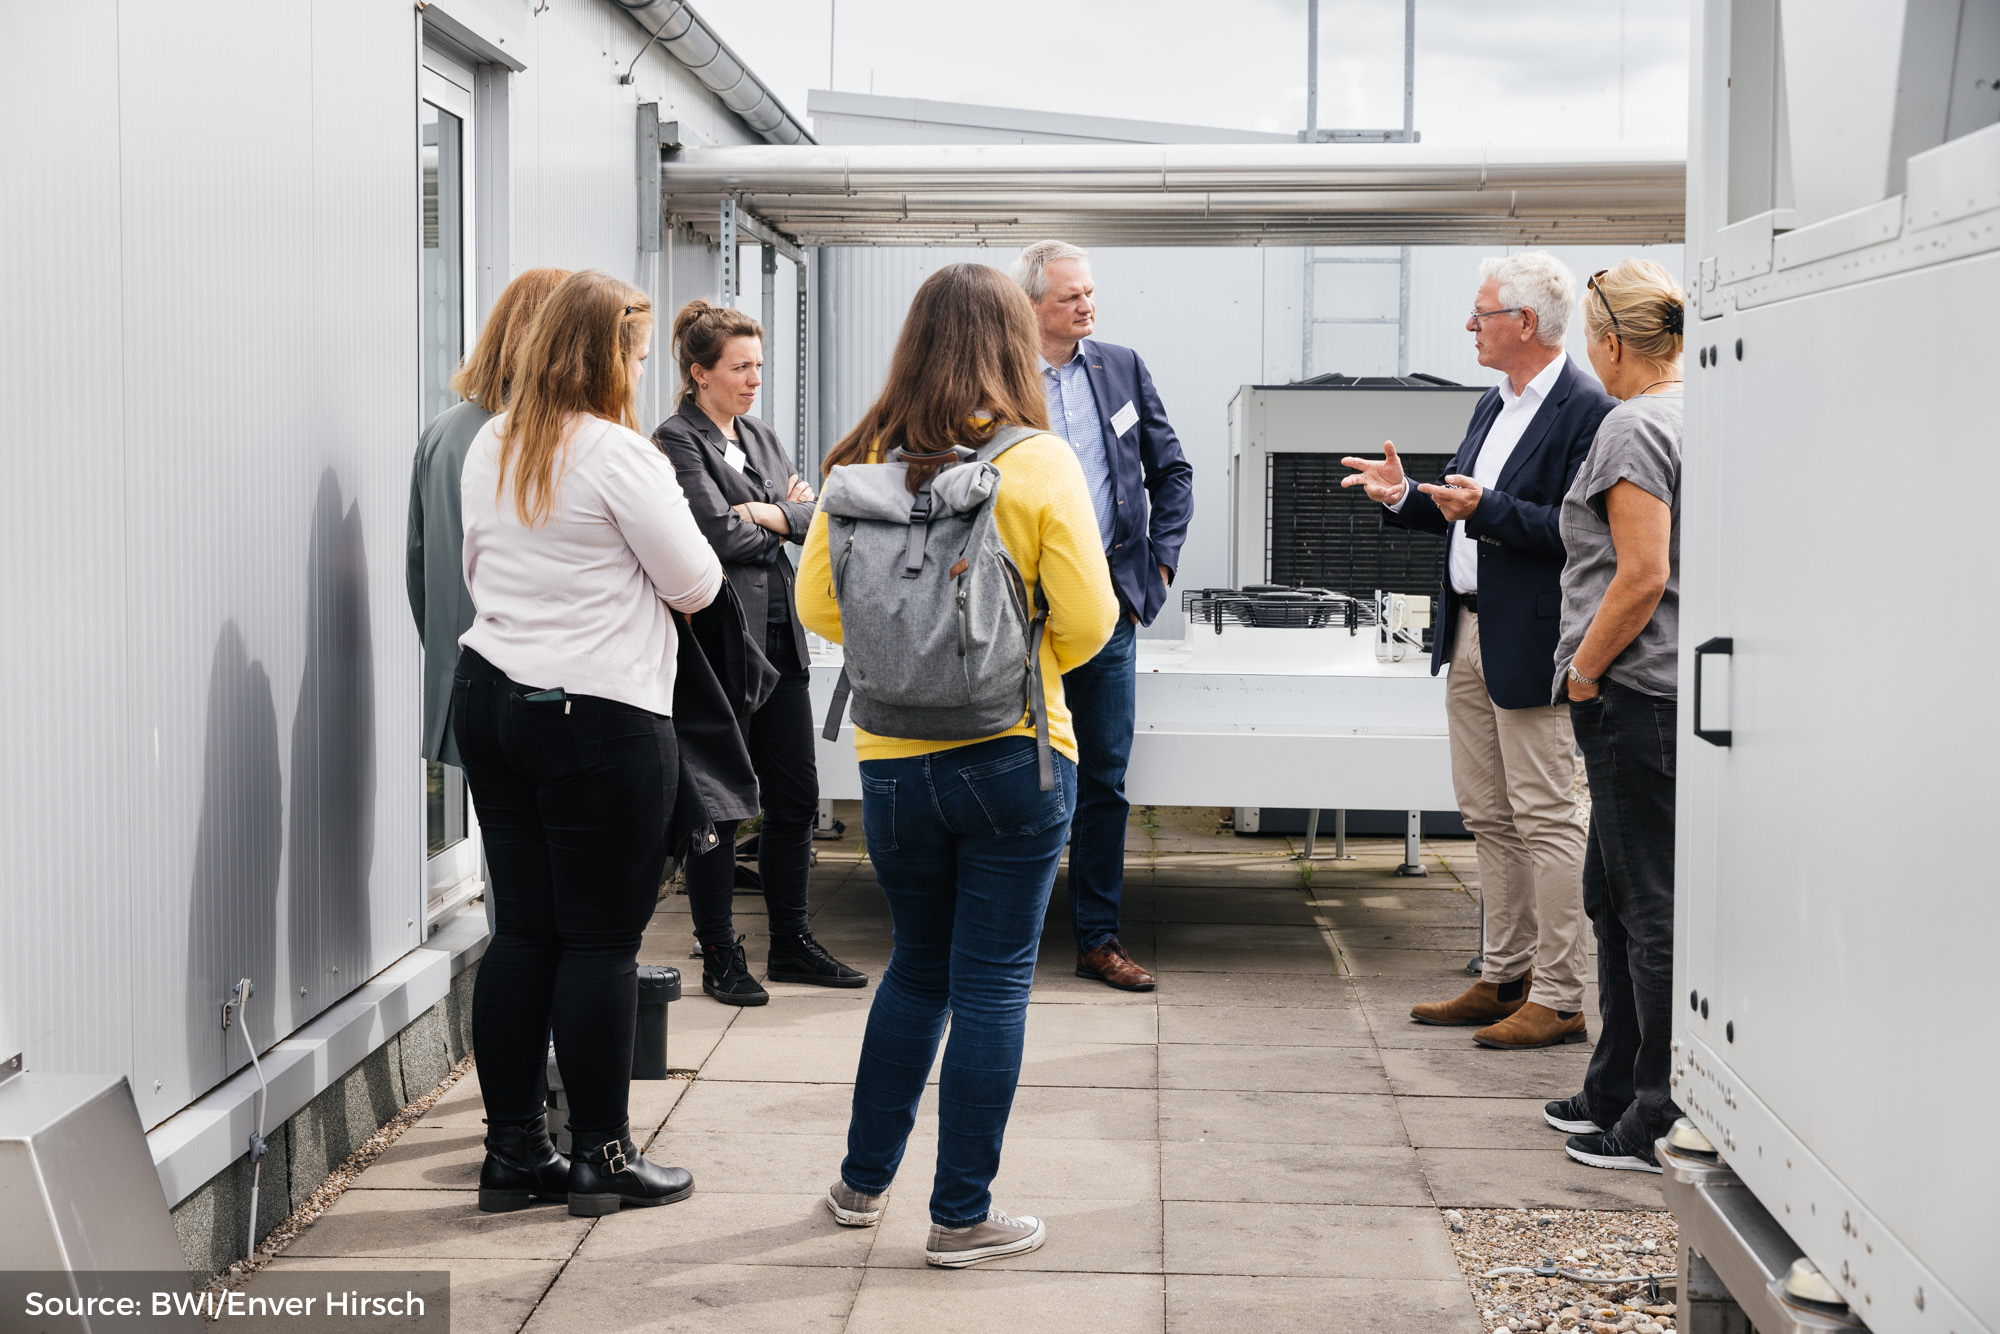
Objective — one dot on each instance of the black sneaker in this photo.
(800, 958)
(1605, 1149)
(1570, 1117)
(725, 976)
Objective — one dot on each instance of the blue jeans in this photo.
(1101, 695)
(965, 847)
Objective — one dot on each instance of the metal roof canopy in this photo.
(1187, 194)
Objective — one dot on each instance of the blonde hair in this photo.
(701, 330)
(577, 357)
(1650, 309)
(482, 376)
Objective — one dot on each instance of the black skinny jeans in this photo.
(1627, 739)
(781, 752)
(573, 798)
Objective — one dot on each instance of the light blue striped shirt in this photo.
(1073, 416)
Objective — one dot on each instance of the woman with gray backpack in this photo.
(956, 558)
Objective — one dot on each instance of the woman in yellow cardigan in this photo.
(963, 840)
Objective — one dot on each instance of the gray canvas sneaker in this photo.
(957, 1247)
(850, 1208)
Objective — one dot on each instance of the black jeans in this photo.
(781, 752)
(1627, 739)
(573, 797)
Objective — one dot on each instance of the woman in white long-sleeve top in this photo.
(579, 547)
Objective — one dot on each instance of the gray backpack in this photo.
(943, 639)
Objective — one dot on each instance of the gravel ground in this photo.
(1588, 1242)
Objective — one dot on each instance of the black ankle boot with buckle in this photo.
(726, 976)
(521, 1167)
(800, 958)
(607, 1172)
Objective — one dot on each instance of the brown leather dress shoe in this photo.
(1479, 1003)
(1532, 1025)
(1109, 963)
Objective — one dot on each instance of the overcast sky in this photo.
(1521, 71)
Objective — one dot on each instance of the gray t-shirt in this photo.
(1639, 442)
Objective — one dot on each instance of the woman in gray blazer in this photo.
(749, 503)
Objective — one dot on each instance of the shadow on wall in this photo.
(333, 766)
(233, 901)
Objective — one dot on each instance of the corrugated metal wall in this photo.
(208, 348)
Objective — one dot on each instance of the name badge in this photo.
(734, 456)
(1124, 419)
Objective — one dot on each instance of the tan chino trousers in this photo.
(1515, 771)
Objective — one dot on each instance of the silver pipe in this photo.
(690, 40)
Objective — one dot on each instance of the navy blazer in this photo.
(1517, 527)
(1152, 483)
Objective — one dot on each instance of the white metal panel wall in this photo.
(208, 342)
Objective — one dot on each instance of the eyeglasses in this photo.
(1478, 315)
(1606, 300)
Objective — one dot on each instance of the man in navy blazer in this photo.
(1512, 752)
(1102, 401)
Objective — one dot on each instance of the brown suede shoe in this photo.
(1479, 1003)
(1532, 1025)
(1110, 963)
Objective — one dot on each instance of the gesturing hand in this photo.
(1456, 498)
(1382, 478)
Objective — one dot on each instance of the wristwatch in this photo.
(1580, 678)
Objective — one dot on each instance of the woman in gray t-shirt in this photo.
(1615, 665)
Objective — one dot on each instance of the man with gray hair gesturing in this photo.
(1102, 401)
(1513, 756)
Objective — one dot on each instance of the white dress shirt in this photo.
(1516, 411)
(585, 600)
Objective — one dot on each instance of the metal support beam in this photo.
(1403, 314)
(802, 280)
(769, 319)
(649, 177)
(1413, 832)
(727, 240)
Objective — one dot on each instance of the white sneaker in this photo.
(957, 1247)
(850, 1208)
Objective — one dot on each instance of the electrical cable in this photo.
(626, 77)
(244, 991)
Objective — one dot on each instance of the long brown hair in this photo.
(701, 330)
(577, 357)
(964, 366)
(482, 376)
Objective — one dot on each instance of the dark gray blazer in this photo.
(753, 558)
(434, 566)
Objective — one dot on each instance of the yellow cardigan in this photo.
(1044, 516)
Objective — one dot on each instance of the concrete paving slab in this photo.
(784, 1058)
(429, 1157)
(1478, 1072)
(1292, 1173)
(1478, 1123)
(1200, 1304)
(1054, 1112)
(1198, 947)
(1045, 1169)
(735, 1228)
(597, 1296)
(745, 1163)
(436, 1225)
(1244, 1116)
(1268, 990)
(730, 1107)
(1056, 983)
(829, 1014)
(1119, 1236)
(1461, 940)
(1004, 1295)
(1444, 965)
(1273, 1069)
(1308, 1241)
(487, 1296)
(1229, 1025)
(1093, 1023)
(1533, 1179)
(1089, 1065)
